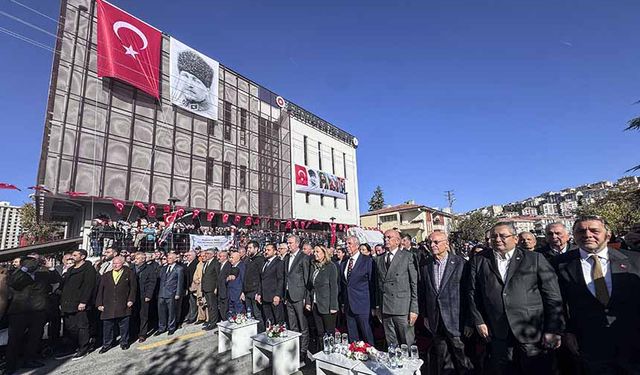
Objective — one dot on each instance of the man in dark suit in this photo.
(557, 237)
(357, 292)
(209, 284)
(397, 293)
(190, 269)
(170, 292)
(115, 298)
(221, 291)
(234, 283)
(442, 307)
(297, 270)
(515, 304)
(601, 290)
(147, 279)
(251, 282)
(271, 289)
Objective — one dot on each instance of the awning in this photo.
(53, 247)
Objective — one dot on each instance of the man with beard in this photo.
(77, 293)
(254, 264)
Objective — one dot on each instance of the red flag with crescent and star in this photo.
(152, 210)
(301, 175)
(210, 216)
(118, 204)
(128, 49)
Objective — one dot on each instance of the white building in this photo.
(330, 158)
(529, 211)
(9, 225)
(549, 209)
(568, 208)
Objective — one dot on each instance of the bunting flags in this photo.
(118, 204)
(73, 194)
(236, 220)
(225, 218)
(196, 213)
(140, 205)
(4, 185)
(256, 221)
(210, 216)
(248, 221)
(152, 210)
(40, 188)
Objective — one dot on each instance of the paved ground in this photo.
(189, 351)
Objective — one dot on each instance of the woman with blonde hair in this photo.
(324, 292)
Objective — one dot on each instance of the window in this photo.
(306, 197)
(226, 175)
(319, 156)
(227, 121)
(333, 165)
(210, 163)
(243, 126)
(211, 127)
(304, 145)
(388, 218)
(243, 177)
(344, 166)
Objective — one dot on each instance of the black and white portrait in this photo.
(194, 80)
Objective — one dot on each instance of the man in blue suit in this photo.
(441, 305)
(357, 293)
(234, 285)
(170, 292)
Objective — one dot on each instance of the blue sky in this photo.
(498, 100)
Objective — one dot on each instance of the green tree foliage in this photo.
(377, 200)
(34, 230)
(634, 124)
(472, 227)
(620, 208)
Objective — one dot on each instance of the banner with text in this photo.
(317, 182)
(210, 242)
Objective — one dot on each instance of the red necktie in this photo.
(349, 267)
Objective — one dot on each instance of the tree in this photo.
(377, 200)
(33, 230)
(620, 208)
(634, 124)
(472, 227)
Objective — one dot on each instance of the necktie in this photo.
(602, 293)
(266, 264)
(349, 267)
(388, 260)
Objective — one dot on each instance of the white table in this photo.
(335, 363)
(236, 337)
(282, 354)
(372, 367)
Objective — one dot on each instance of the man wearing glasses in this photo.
(515, 304)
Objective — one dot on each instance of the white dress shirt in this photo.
(503, 262)
(355, 259)
(393, 255)
(587, 264)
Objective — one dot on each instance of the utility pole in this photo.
(449, 194)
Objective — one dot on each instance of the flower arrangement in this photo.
(360, 350)
(276, 330)
(238, 319)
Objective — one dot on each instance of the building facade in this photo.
(9, 226)
(417, 220)
(104, 139)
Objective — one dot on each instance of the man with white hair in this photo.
(557, 237)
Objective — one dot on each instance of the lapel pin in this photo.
(623, 266)
(517, 258)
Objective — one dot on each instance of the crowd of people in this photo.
(506, 307)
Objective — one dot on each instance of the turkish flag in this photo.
(256, 221)
(288, 225)
(301, 175)
(277, 224)
(196, 214)
(179, 213)
(152, 210)
(166, 209)
(248, 221)
(170, 218)
(140, 205)
(118, 204)
(210, 216)
(128, 49)
(4, 185)
(225, 218)
(236, 220)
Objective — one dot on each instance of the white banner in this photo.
(209, 242)
(372, 237)
(317, 182)
(193, 80)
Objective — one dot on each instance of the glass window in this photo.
(226, 175)
(210, 163)
(319, 156)
(211, 127)
(243, 177)
(227, 121)
(304, 144)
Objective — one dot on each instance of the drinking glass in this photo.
(399, 358)
(392, 356)
(405, 351)
(414, 352)
(345, 339)
(337, 341)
